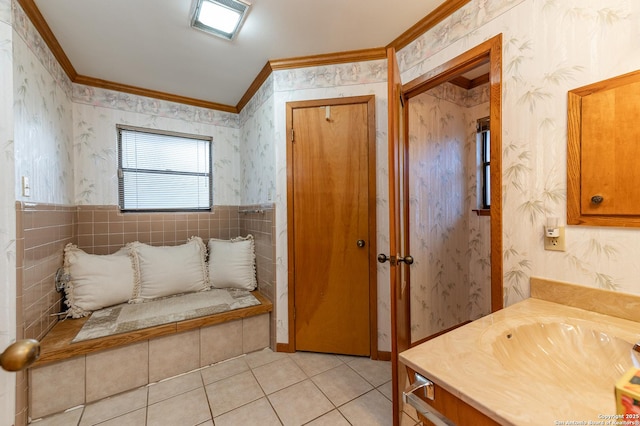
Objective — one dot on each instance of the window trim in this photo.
(209, 139)
(483, 129)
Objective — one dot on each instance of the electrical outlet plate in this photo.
(555, 243)
(26, 187)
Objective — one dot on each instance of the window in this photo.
(163, 171)
(484, 145)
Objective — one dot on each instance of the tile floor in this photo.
(262, 388)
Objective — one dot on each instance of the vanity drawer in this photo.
(453, 408)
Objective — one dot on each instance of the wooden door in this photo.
(398, 244)
(331, 234)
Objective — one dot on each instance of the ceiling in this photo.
(149, 44)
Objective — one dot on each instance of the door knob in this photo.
(360, 243)
(597, 199)
(407, 259)
(19, 355)
(383, 258)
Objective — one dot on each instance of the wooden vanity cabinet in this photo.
(603, 176)
(456, 410)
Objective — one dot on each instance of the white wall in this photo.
(7, 213)
(549, 48)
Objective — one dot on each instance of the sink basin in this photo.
(572, 356)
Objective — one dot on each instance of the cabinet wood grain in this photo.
(603, 180)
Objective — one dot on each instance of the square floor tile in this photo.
(175, 386)
(265, 356)
(108, 408)
(341, 384)
(233, 392)
(300, 403)
(224, 369)
(257, 412)
(135, 418)
(406, 420)
(190, 408)
(314, 363)
(278, 375)
(370, 409)
(375, 372)
(387, 390)
(63, 419)
(332, 418)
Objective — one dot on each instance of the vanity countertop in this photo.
(467, 363)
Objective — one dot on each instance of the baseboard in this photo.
(384, 356)
(284, 347)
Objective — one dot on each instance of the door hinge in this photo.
(292, 135)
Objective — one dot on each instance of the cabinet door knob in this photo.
(597, 199)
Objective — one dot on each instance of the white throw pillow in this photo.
(232, 263)
(96, 281)
(168, 270)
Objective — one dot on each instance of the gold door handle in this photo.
(20, 355)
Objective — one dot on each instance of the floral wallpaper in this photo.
(549, 47)
(43, 119)
(7, 212)
(450, 279)
(96, 112)
(257, 153)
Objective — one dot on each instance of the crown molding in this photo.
(105, 84)
(262, 76)
(329, 58)
(426, 23)
(34, 15)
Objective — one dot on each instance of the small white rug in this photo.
(129, 317)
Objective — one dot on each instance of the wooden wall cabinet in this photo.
(603, 174)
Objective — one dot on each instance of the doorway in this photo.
(449, 223)
(331, 226)
(455, 161)
(402, 276)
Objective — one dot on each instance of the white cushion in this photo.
(96, 281)
(168, 270)
(232, 263)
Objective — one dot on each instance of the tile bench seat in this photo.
(71, 374)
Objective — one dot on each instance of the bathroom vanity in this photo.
(551, 359)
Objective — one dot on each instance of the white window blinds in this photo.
(163, 171)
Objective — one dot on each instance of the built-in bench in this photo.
(69, 374)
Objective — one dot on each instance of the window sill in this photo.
(482, 212)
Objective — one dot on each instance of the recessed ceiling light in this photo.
(222, 18)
